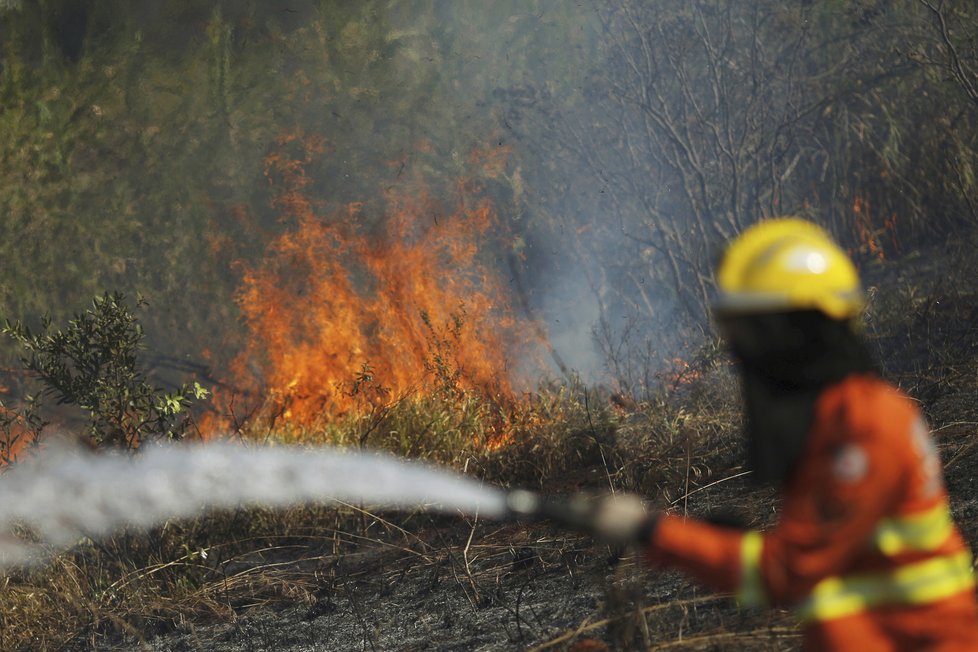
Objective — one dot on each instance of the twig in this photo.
(587, 627)
(468, 544)
(697, 641)
(388, 524)
(964, 449)
(707, 486)
(474, 598)
(516, 612)
(594, 436)
(360, 619)
(686, 494)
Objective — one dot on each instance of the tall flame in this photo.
(404, 309)
(17, 435)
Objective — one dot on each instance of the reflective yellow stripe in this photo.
(751, 590)
(925, 531)
(913, 584)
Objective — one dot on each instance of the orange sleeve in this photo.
(850, 477)
(707, 552)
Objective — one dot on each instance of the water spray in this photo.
(65, 495)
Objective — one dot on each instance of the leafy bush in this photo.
(92, 364)
(19, 428)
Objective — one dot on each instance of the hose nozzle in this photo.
(576, 511)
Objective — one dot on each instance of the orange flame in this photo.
(342, 317)
(871, 236)
(680, 372)
(16, 436)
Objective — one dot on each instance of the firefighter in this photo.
(864, 551)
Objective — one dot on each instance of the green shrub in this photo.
(92, 364)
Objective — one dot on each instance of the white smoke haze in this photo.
(65, 495)
(571, 312)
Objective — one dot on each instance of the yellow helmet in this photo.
(787, 264)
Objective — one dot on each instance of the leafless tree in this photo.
(706, 116)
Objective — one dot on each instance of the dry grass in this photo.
(642, 620)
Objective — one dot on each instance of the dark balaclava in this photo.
(786, 360)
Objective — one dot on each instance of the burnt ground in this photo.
(455, 586)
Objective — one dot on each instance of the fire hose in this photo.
(576, 511)
(617, 518)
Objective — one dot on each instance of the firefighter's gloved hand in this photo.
(622, 519)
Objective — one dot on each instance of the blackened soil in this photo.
(449, 584)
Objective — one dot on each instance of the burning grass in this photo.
(350, 313)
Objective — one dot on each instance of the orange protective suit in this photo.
(865, 550)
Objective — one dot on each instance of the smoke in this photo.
(65, 495)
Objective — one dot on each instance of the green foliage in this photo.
(92, 364)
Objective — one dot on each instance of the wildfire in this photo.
(680, 372)
(342, 317)
(870, 236)
(16, 435)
